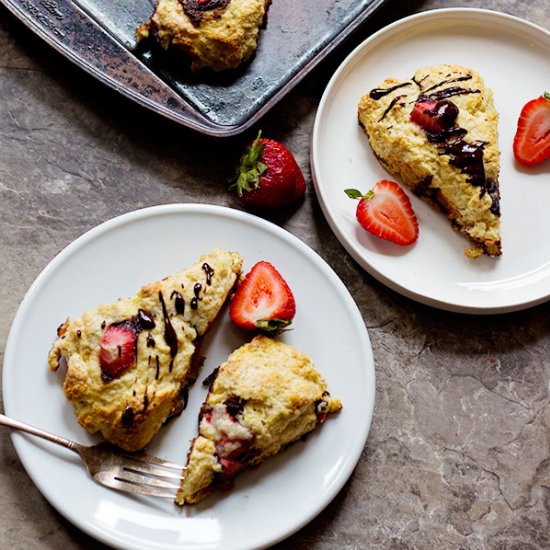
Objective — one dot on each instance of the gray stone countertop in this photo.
(458, 453)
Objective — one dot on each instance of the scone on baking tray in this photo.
(129, 363)
(219, 34)
(437, 133)
(265, 396)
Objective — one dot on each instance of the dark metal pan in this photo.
(98, 35)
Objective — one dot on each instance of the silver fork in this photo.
(136, 473)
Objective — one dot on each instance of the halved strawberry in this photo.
(423, 114)
(117, 351)
(263, 301)
(434, 116)
(532, 139)
(385, 211)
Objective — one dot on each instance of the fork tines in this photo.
(144, 474)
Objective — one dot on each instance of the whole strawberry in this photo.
(268, 176)
(385, 211)
(532, 139)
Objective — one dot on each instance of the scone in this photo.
(129, 363)
(220, 34)
(264, 397)
(437, 133)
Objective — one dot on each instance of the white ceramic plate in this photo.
(114, 260)
(514, 58)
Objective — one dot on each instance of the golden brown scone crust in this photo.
(403, 148)
(131, 408)
(279, 390)
(220, 41)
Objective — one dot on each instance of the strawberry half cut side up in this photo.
(532, 139)
(386, 212)
(117, 351)
(263, 301)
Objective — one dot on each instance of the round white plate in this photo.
(514, 58)
(113, 260)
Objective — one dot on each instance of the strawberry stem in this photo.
(546, 95)
(355, 194)
(273, 327)
(250, 169)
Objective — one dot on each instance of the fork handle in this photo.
(17, 425)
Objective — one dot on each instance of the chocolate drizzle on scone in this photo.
(203, 10)
(455, 111)
(127, 372)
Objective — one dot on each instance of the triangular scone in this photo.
(167, 319)
(264, 397)
(219, 34)
(456, 169)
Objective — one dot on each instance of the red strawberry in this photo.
(231, 468)
(434, 116)
(117, 351)
(424, 115)
(386, 212)
(263, 301)
(268, 176)
(532, 139)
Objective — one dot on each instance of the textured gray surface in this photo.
(458, 454)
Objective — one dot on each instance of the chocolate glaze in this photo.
(234, 405)
(145, 320)
(197, 10)
(445, 111)
(179, 302)
(150, 341)
(128, 417)
(379, 93)
(466, 156)
(448, 81)
(391, 105)
(469, 158)
(195, 300)
(103, 324)
(169, 332)
(79, 333)
(157, 373)
(209, 273)
(450, 92)
(145, 400)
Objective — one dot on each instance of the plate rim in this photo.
(351, 248)
(18, 439)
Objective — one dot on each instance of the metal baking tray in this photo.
(98, 35)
